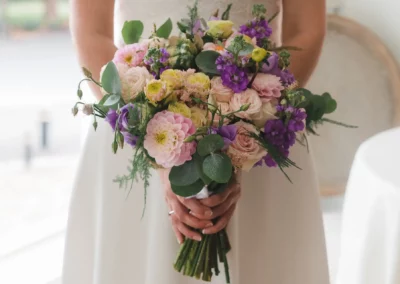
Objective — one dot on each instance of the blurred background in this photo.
(40, 140)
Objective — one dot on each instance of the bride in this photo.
(275, 226)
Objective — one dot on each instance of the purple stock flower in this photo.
(296, 122)
(197, 28)
(164, 55)
(232, 76)
(111, 118)
(257, 28)
(124, 116)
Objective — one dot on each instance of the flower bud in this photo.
(86, 72)
(95, 125)
(88, 109)
(283, 102)
(245, 107)
(80, 93)
(75, 110)
(120, 140)
(115, 147)
(259, 54)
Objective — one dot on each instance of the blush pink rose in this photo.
(245, 151)
(249, 96)
(268, 86)
(220, 93)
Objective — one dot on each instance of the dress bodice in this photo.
(157, 11)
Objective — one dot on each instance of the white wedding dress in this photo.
(276, 232)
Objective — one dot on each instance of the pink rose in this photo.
(245, 151)
(220, 92)
(247, 97)
(267, 112)
(268, 86)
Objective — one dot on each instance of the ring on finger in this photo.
(171, 212)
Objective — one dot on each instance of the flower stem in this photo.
(182, 254)
(201, 257)
(207, 262)
(224, 252)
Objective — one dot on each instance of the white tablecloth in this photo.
(370, 243)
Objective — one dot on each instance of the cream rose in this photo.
(268, 86)
(133, 82)
(220, 92)
(245, 151)
(267, 112)
(225, 108)
(249, 96)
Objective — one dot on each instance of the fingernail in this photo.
(197, 238)
(208, 213)
(179, 241)
(209, 225)
(204, 232)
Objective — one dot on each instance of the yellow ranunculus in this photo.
(174, 78)
(220, 29)
(155, 91)
(180, 108)
(259, 54)
(198, 116)
(199, 80)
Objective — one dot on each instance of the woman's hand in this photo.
(223, 205)
(188, 213)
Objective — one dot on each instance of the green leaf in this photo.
(190, 190)
(218, 167)
(206, 62)
(112, 100)
(132, 31)
(248, 48)
(225, 15)
(165, 30)
(210, 144)
(110, 79)
(185, 174)
(330, 103)
(199, 166)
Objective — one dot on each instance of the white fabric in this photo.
(276, 232)
(370, 251)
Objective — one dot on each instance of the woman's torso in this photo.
(157, 11)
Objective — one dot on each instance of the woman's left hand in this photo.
(223, 205)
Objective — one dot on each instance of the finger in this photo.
(196, 207)
(218, 199)
(187, 232)
(183, 215)
(224, 207)
(221, 223)
(179, 236)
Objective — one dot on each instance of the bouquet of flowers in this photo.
(204, 104)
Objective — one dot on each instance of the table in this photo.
(370, 241)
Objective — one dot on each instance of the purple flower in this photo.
(124, 116)
(275, 131)
(296, 122)
(111, 118)
(227, 132)
(272, 67)
(129, 138)
(197, 28)
(257, 28)
(232, 76)
(164, 55)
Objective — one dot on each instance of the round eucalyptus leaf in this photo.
(218, 167)
(185, 174)
(189, 190)
(210, 144)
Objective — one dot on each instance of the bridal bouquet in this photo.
(204, 104)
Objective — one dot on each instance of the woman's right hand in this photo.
(182, 219)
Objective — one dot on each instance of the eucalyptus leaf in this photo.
(165, 30)
(132, 31)
(199, 166)
(112, 100)
(217, 188)
(190, 190)
(248, 48)
(205, 60)
(330, 103)
(182, 27)
(218, 167)
(185, 174)
(110, 79)
(210, 144)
